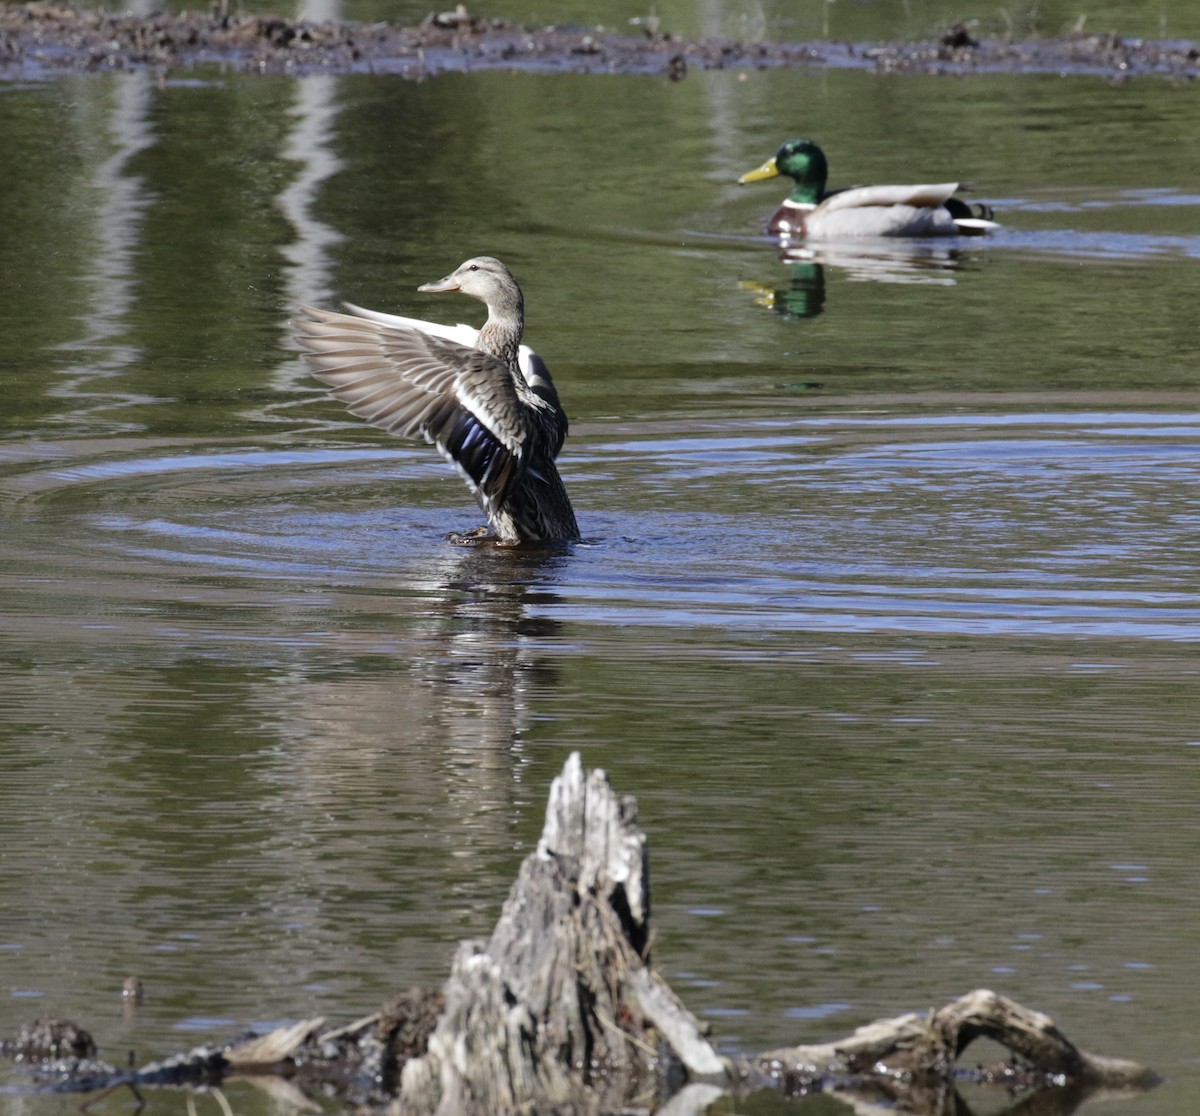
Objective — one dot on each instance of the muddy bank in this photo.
(41, 40)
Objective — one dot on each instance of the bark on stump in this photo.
(559, 1006)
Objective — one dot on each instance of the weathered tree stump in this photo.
(560, 1005)
(560, 1011)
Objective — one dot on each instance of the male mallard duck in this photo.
(485, 400)
(818, 214)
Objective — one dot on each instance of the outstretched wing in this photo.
(463, 334)
(533, 368)
(415, 384)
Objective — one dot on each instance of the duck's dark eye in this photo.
(473, 267)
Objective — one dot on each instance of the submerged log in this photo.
(561, 1011)
(914, 1056)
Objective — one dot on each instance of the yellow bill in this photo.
(769, 169)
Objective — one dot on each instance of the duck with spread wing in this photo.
(484, 399)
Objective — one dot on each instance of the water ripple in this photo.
(1068, 525)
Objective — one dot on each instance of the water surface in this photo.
(886, 608)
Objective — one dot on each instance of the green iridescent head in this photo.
(803, 162)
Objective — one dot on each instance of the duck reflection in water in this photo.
(919, 262)
(487, 612)
(446, 713)
(804, 297)
(485, 400)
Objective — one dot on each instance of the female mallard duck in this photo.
(817, 214)
(485, 400)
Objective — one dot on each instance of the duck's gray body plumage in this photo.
(485, 400)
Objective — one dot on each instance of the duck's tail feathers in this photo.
(972, 218)
(975, 226)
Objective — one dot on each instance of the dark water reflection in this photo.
(888, 614)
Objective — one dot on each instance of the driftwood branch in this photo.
(914, 1056)
(1035, 1038)
(561, 1010)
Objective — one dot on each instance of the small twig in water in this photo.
(141, 1101)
